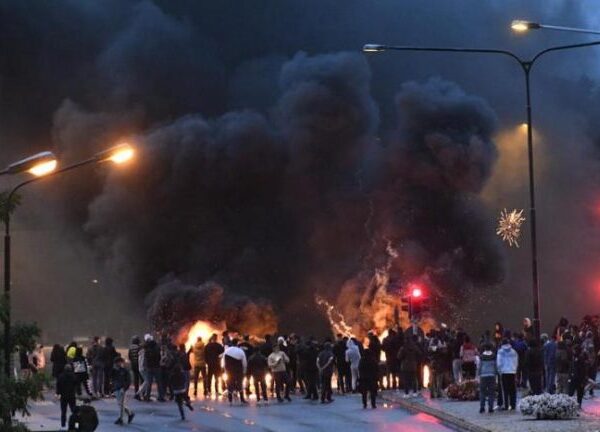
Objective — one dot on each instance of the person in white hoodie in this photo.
(353, 357)
(507, 361)
(235, 366)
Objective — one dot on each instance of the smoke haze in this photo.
(277, 162)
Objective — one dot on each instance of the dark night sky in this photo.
(277, 160)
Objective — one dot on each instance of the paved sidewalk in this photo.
(465, 416)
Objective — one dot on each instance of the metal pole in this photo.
(534, 264)
(7, 350)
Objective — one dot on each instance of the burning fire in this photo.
(336, 319)
(203, 329)
(425, 376)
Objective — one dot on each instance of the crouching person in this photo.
(487, 378)
(121, 381)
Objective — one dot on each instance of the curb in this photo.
(446, 419)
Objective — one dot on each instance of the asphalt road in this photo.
(345, 414)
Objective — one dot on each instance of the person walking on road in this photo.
(121, 381)
(177, 381)
(66, 385)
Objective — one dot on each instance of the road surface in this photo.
(345, 414)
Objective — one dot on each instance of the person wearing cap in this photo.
(121, 380)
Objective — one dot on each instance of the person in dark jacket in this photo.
(178, 382)
(152, 366)
(121, 381)
(325, 363)
(109, 354)
(133, 354)
(342, 366)
(563, 366)
(80, 368)
(212, 353)
(308, 359)
(66, 385)
(534, 366)
(58, 359)
(95, 357)
(549, 349)
(520, 346)
(258, 369)
(410, 357)
(390, 346)
(367, 377)
(186, 366)
(579, 373)
(487, 371)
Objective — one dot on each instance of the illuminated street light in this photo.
(118, 154)
(372, 48)
(522, 26)
(43, 165)
(39, 164)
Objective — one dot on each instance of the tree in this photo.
(15, 394)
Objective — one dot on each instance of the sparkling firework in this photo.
(509, 226)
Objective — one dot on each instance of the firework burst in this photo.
(509, 226)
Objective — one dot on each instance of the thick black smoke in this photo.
(275, 174)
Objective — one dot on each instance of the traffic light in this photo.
(416, 302)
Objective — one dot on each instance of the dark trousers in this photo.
(326, 385)
(500, 395)
(535, 382)
(107, 384)
(64, 402)
(373, 391)
(82, 380)
(341, 374)
(137, 377)
(213, 373)
(578, 387)
(281, 384)
(509, 390)
(153, 376)
(409, 381)
(200, 370)
(487, 389)
(311, 385)
(260, 387)
(235, 382)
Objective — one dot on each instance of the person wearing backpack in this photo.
(468, 356)
(80, 369)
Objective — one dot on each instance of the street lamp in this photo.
(39, 164)
(526, 66)
(118, 154)
(522, 26)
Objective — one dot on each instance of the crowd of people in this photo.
(233, 366)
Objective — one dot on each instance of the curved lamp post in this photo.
(44, 168)
(526, 66)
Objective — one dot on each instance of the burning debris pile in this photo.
(177, 308)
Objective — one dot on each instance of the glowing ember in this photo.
(203, 329)
(425, 376)
(509, 226)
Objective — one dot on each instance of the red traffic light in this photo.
(416, 292)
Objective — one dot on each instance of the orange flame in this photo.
(203, 329)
